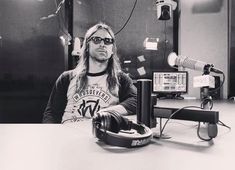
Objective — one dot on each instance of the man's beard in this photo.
(101, 60)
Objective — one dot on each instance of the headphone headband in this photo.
(111, 135)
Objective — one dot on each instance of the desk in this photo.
(73, 147)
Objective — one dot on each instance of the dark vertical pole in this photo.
(144, 106)
(176, 28)
(229, 6)
(69, 22)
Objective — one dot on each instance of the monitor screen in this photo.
(170, 82)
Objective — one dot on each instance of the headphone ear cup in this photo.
(97, 123)
(109, 122)
(115, 122)
(122, 123)
(112, 121)
(125, 123)
(105, 121)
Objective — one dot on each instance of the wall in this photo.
(203, 35)
(31, 58)
(143, 23)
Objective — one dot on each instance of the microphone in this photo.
(183, 61)
(76, 47)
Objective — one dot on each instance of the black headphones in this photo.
(107, 127)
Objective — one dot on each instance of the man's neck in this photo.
(96, 66)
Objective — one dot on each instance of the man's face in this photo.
(101, 46)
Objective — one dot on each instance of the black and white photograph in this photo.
(117, 84)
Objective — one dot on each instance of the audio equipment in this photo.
(145, 103)
(215, 94)
(164, 9)
(113, 129)
(170, 82)
(183, 61)
(187, 114)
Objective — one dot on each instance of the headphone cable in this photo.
(170, 117)
(198, 133)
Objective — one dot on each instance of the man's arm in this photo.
(127, 94)
(57, 101)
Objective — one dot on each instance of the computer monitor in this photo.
(170, 82)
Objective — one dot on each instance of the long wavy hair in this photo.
(82, 67)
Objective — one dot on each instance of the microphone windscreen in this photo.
(171, 59)
(183, 61)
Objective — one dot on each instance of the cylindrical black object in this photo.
(144, 104)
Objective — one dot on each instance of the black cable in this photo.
(198, 133)
(199, 123)
(161, 132)
(219, 122)
(211, 101)
(214, 90)
(127, 19)
(207, 100)
(223, 124)
(161, 135)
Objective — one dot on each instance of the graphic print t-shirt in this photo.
(89, 101)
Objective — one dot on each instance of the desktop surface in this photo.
(72, 146)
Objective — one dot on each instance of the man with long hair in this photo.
(97, 84)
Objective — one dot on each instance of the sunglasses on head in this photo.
(107, 41)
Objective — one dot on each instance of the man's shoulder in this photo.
(67, 73)
(66, 76)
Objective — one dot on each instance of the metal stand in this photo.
(207, 105)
